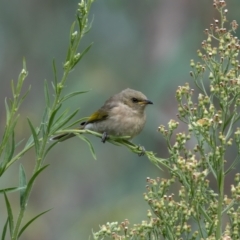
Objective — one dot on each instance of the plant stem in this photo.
(221, 177)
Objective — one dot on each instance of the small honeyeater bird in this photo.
(121, 115)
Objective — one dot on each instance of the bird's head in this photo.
(134, 99)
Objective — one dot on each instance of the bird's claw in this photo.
(104, 137)
(142, 149)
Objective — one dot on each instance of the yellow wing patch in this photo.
(97, 116)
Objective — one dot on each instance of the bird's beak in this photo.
(146, 102)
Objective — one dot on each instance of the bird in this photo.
(123, 114)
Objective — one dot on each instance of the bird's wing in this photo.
(102, 113)
(98, 116)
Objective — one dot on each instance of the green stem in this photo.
(221, 177)
(18, 223)
(19, 155)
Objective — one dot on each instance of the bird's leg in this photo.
(104, 137)
(142, 149)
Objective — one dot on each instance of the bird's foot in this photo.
(104, 137)
(142, 149)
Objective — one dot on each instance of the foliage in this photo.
(51, 122)
(198, 212)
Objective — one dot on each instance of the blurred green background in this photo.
(144, 45)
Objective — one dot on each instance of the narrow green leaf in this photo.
(19, 155)
(49, 148)
(237, 118)
(22, 184)
(2, 168)
(51, 119)
(89, 144)
(10, 102)
(209, 219)
(12, 189)
(31, 181)
(35, 137)
(46, 92)
(212, 170)
(63, 122)
(10, 215)
(82, 54)
(7, 151)
(24, 96)
(62, 116)
(89, 26)
(211, 228)
(227, 121)
(87, 29)
(29, 222)
(10, 129)
(54, 88)
(35, 175)
(79, 19)
(68, 58)
(19, 143)
(232, 166)
(29, 142)
(69, 52)
(55, 76)
(221, 106)
(72, 95)
(230, 205)
(45, 115)
(13, 88)
(7, 112)
(44, 120)
(13, 124)
(72, 28)
(12, 147)
(4, 230)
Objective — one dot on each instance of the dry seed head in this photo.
(234, 24)
(126, 221)
(222, 3)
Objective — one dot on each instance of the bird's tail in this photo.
(63, 137)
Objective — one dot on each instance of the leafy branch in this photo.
(52, 121)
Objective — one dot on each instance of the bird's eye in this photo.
(134, 100)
